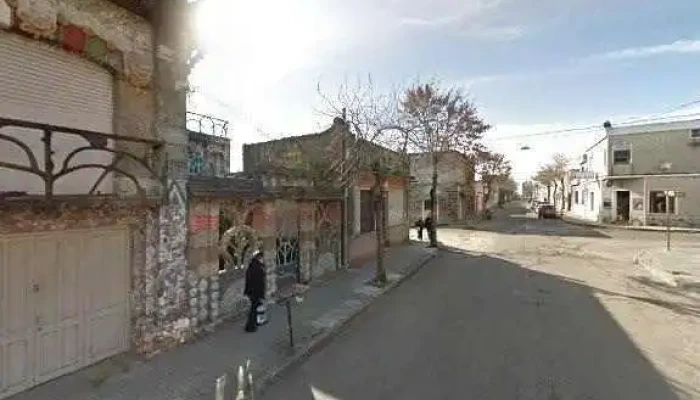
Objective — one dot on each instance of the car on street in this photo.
(546, 211)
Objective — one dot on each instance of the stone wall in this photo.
(316, 225)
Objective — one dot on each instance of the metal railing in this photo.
(50, 171)
(207, 124)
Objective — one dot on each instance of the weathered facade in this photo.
(624, 177)
(318, 159)
(455, 192)
(93, 197)
(296, 229)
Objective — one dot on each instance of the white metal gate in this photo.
(63, 303)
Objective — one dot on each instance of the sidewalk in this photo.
(190, 372)
(577, 221)
(678, 268)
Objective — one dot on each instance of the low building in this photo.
(486, 198)
(455, 191)
(209, 147)
(625, 177)
(318, 159)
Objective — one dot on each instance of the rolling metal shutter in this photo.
(44, 84)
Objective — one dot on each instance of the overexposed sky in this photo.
(529, 67)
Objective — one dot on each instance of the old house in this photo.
(318, 159)
(231, 216)
(456, 186)
(626, 176)
(93, 199)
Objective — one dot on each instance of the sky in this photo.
(530, 67)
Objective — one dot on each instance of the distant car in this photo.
(546, 211)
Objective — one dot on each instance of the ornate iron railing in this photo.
(95, 141)
(207, 124)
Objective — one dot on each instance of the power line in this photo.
(590, 128)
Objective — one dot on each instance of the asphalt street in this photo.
(492, 319)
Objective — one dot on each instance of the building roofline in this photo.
(655, 127)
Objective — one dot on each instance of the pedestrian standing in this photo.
(255, 285)
(419, 228)
(429, 226)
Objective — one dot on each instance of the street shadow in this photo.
(479, 327)
(690, 290)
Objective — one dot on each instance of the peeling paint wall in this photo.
(316, 224)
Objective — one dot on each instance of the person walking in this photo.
(419, 228)
(255, 285)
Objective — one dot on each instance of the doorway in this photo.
(623, 205)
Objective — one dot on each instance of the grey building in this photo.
(625, 177)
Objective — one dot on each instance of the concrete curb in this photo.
(628, 227)
(275, 374)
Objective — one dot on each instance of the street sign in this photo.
(583, 175)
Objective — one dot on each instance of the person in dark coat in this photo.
(419, 228)
(255, 285)
(429, 226)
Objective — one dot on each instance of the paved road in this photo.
(520, 309)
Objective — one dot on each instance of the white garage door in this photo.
(44, 84)
(63, 303)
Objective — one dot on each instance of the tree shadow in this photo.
(483, 328)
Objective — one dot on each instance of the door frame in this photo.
(617, 204)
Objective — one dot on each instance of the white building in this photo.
(623, 178)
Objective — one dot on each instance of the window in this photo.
(657, 203)
(592, 200)
(622, 156)
(366, 211)
(695, 133)
(576, 197)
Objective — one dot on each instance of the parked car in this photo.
(546, 211)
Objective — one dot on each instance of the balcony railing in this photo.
(207, 124)
(41, 159)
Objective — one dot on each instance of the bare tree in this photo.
(369, 116)
(436, 121)
(546, 176)
(494, 169)
(528, 190)
(559, 166)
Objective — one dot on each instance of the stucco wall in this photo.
(688, 206)
(586, 210)
(650, 150)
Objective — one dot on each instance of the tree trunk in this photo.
(549, 193)
(556, 186)
(563, 195)
(432, 232)
(380, 277)
(487, 196)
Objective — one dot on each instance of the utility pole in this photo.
(669, 196)
(344, 205)
(380, 278)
